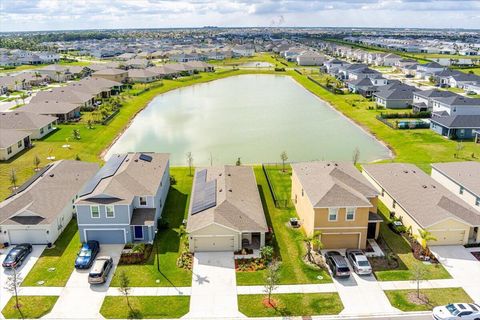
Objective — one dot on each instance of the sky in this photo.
(39, 15)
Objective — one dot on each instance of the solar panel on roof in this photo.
(145, 157)
(31, 180)
(205, 196)
(106, 171)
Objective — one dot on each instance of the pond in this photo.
(254, 117)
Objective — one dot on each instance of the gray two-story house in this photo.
(124, 200)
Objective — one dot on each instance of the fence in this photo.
(280, 202)
(331, 89)
(403, 125)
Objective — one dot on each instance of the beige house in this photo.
(422, 203)
(335, 199)
(12, 142)
(225, 213)
(117, 75)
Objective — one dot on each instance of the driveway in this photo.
(362, 295)
(78, 298)
(22, 271)
(214, 286)
(463, 267)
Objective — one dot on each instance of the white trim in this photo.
(106, 211)
(336, 214)
(143, 233)
(320, 228)
(124, 233)
(354, 213)
(340, 233)
(91, 212)
(140, 201)
(103, 224)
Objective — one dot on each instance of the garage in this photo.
(340, 240)
(448, 237)
(32, 236)
(220, 243)
(106, 236)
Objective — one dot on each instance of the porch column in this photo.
(478, 237)
(262, 239)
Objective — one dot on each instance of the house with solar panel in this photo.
(124, 200)
(226, 212)
(39, 210)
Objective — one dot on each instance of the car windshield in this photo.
(85, 253)
(452, 309)
(363, 263)
(343, 269)
(9, 258)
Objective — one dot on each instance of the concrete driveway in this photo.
(22, 271)
(78, 298)
(463, 267)
(214, 286)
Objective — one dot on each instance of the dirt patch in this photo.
(272, 303)
(420, 299)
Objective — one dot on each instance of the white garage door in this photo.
(213, 243)
(32, 236)
(448, 237)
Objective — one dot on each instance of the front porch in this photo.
(253, 240)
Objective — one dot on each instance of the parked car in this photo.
(468, 311)
(17, 255)
(337, 263)
(87, 254)
(100, 270)
(359, 262)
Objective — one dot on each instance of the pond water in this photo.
(257, 64)
(254, 117)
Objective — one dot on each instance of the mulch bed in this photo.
(273, 303)
(420, 299)
(476, 254)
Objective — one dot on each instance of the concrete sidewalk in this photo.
(424, 284)
(300, 288)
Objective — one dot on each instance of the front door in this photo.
(138, 233)
(372, 228)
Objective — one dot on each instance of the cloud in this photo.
(99, 14)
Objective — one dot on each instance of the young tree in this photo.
(189, 162)
(459, 148)
(423, 237)
(13, 179)
(356, 155)
(23, 96)
(419, 272)
(124, 288)
(238, 162)
(76, 134)
(12, 284)
(36, 162)
(313, 243)
(284, 158)
(272, 278)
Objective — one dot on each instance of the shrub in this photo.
(162, 224)
(279, 69)
(267, 253)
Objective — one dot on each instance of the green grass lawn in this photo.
(401, 247)
(436, 297)
(280, 178)
(289, 244)
(31, 307)
(168, 242)
(292, 304)
(157, 307)
(61, 257)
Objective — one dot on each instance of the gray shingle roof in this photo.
(466, 174)
(238, 204)
(396, 92)
(458, 121)
(334, 184)
(423, 198)
(18, 120)
(11, 137)
(47, 197)
(49, 107)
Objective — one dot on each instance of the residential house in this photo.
(63, 111)
(137, 63)
(13, 142)
(360, 73)
(66, 94)
(455, 105)
(142, 75)
(423, 204)
(333, 198)
(126, 56)
(60, 73)
(475, 88)
(461, 79)
(37, 125)
(243, 51)
(39, 210)
(456, 126)
(423, 99)
(118, 75)
(366, 86)
(427, 70)
(334, 64)
(123, 202)
(388, 60)
(397, 96)
(462, 179)
(225, 212)
(443, 77)
(310, 58)
(200, 66)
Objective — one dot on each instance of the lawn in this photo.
(289, 244)
(168, 242)
(291, 304)
(61, 257)
(407, 261)
(31, 307)
(280, 178)
(436, 297)
(157, 307)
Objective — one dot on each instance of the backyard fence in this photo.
(403, 124)
(280, 201)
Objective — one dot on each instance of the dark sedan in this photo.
(17, 255)
(87, 254)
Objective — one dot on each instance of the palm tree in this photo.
(423, 237)
(313, 243)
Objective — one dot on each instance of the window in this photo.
(394, 204)
(332, 214)
(9, 150)
(295, 199)
(20, 144)
(302, 192)
(41, 130)
(350, 214)
(110, 211)
(383, 193)
(95, 212)
(49, 126)
(461, 190)
(143, 201)
(477, 202)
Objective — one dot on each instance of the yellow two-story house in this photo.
(337, 200)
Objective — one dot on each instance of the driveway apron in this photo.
(214, 286)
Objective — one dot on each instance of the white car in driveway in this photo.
(468, 311)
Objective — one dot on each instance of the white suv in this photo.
(468, 311)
